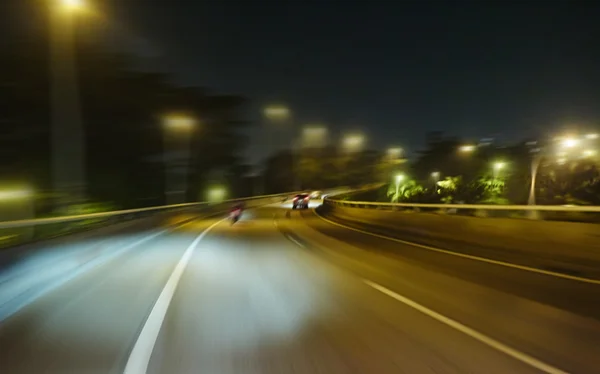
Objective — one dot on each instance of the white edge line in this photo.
(470, 257)
(295, 241)
(531, 361)
(141, 353)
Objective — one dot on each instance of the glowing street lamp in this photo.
(436, 176)
(314, 136)
(399, 178)
(468, 148)
(354, 142)
(72, 5)
(498, 166)
(589, 153)
(68, 145)
(277, 112)
(569, 142)
(591, 136)
(394, 153)
(179, 123)
(216, 194)
(176, 134)
(16, 194)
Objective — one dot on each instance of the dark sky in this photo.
(395, 69)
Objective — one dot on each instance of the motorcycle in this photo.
(235, 215)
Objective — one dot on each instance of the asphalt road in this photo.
(285, 292)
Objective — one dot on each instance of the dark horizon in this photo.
(394, 70)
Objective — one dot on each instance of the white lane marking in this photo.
(295, 241)
(523, 357)
(12, 305)
(142, 350)
(470, 257)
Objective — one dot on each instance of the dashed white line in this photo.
(470, 257)
(525, 358)
(142, 350)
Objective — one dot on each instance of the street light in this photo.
(353, 142)
(569, 142)
(394, 153)
(399, 178)
(589, 153)
(591, 136)
(179, 123)
(436, 176)
(277, 112)
(72, 5)
(176, 156)
(498, 166)
(467, 148)
(216, 194)
(314, 136)
(16, 194)
(67, 134)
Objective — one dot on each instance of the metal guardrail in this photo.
(550, 208)
(118, 213)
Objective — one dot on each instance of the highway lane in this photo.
(253, 301)
(279, 293)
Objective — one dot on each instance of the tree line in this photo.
(496, 174)
(123, 108)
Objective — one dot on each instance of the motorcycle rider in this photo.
(236, 211)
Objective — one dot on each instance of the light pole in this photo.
(399, 178)
(177, 130)
(565, 145)
(279, 114)
(67, 135)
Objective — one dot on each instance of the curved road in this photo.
(285, 292)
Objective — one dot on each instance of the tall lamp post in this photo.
(565, 145)
(399, 178)
(67, 139)
(177, 130)
(280, 114)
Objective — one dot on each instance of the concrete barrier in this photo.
(566, 247)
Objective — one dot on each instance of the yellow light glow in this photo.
(467, 148)
(435, 174)
(72, 4)
(216, 194)
(394, 152)
(570, 142)
(399, 178)
(589, 153)
(15, 194)
(353, 142)
(499, 165)
(591, 136)
(179, 123)
(277, 112)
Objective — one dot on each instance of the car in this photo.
(301, 201)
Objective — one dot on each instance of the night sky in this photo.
(394, 69)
